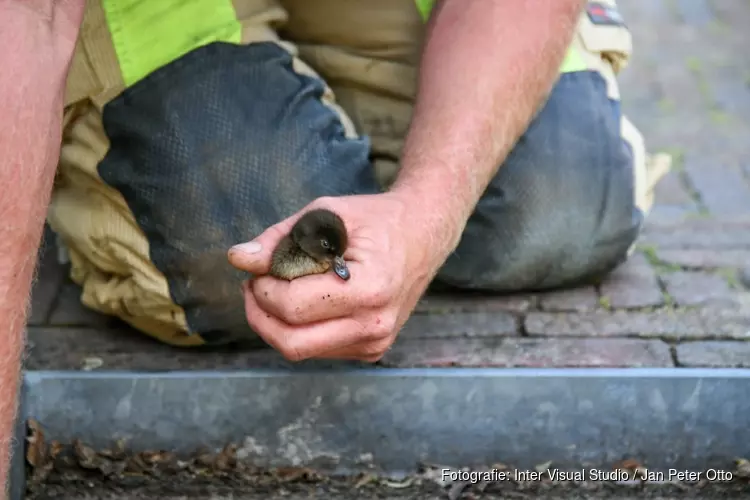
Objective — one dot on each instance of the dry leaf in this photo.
(628, 464)
(55, 448)
(91, 363)
(289, 474)
(136, 465)
(434, 473)
(455, 490)
(38, 454)
(541, 468)
(36, 451)
(157, 457)
(742, 467)
(227, 458)
(632, 466)
(205, 459)
(87, 457)
(364, 480)
(117, 452)
(109, 468)
(398, 484)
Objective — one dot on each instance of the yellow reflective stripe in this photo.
(573, 60)
(148, 34)
(425, 7)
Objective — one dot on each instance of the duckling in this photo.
(316, 244)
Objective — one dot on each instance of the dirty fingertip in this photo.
(251, 247)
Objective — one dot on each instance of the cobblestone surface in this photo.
(714, 354)
(526, 352)
(694, 289)
(688, 90)
(633, 285)
(580, 300)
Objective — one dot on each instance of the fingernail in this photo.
(250, 247)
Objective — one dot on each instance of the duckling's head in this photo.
(321, 234)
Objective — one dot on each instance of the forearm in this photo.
(31, 93)
(487, 67)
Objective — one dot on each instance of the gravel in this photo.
(76, 471)
(342, 489)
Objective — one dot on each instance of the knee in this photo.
(561, 208)
(212, 149)
(230, 128)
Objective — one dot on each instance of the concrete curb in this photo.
(390, 420)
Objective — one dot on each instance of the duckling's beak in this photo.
(340, 268)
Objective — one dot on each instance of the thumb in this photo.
(255, 255)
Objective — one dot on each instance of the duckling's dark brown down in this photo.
(316, 244)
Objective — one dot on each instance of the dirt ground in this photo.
(347, 489)
(76, 471)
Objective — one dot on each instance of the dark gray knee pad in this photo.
(561, 209)
(213, 148)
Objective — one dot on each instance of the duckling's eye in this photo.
(324, 243)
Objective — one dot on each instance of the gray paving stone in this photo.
(671, 190)
(730, 90)
(684, 95)
(656, 11)
(122, 348)
(685, 42)
(706, 323)
(576, 299)
(705, 259)
(520, 352)
(69, 311)
(49, 278)
(744, 277)
(697, 12)
(714, 354)
(669, 213)
(639, 90)
(456, 325)
(734, 13)
(722, 188)
(634, 284)
(695, 288)
(468, 302)
(698, 233)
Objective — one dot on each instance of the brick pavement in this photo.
(683, 299)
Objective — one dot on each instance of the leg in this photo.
(192, 157)
(567, 205)
(562, 207)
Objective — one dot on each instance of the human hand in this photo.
(391, 259)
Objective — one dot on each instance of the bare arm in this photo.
(37, 37)
(487, 67)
